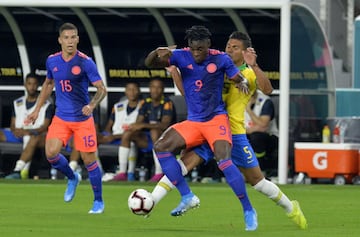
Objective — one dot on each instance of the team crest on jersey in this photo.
(76, 70)
(120, 107)
(19, 102)
(211, 67)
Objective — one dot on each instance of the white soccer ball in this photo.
(140, 202)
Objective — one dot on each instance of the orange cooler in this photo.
(326, 160)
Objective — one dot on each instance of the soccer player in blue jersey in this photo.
(70, 72)
(202, 71)
(244, 56)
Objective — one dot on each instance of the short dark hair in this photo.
(67, 26)
(197, 32)
(242, 37)
(157, 79)
(31, 75)
(136, 83)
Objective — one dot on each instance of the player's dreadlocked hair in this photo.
(243, 37)
(197, 33)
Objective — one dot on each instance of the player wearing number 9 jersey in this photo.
(243, 156)
(70, 72)
(202, 71)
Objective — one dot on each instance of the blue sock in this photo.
(236, 181)
(171, 168)
(60, 163)
(95, 180)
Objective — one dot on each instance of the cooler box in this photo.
(326, 160)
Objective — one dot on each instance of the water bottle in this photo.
(53, 173)
(142, 174)
(343, 127)
(194, 175)
(336, 134)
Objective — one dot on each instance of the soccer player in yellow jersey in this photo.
(244, 56)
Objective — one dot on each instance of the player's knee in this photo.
(221, 154)
(162, 145)
(159, 146)
(51, 151)
(155, 134)
(88, 158)
(126, 136)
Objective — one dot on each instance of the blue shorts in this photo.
(147, 149)
(242, 154)
(205, 152)
(10, 137)
(114, 142)
(118, 142)
(150, 143)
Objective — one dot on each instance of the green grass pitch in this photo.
(36, 208)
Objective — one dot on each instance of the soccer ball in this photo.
(140, 202)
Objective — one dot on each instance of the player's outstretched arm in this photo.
(263, 82)
(175, 75)
(159, 58)
(46, 90)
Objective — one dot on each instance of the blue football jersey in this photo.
(71, 80)
(203, 82)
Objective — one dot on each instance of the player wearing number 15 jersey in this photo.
(70, 72)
